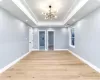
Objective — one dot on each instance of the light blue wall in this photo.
(14, 38)
(87, 38)
(61, 37)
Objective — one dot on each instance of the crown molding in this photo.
(69, 10)
(75, 10)
(31, 10)
(23, 8)
(50, 24)
(40, 23)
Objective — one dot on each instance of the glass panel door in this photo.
(50, 40)
(41, 40)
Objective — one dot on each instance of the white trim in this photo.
(43, 23)
(54, 50)
(34, 16)
(13, 63)
(86, 62)
(35, 49)
(25, 10)
(70, 38)
(53, 38)
(39, 39)
(61, 50)
(74, 2)
(38, 50)
(28, 12)
(30, 39)
(71, 46)
(75, 10)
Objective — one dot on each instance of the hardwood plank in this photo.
(59, 65)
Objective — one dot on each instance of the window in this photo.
(72, 37)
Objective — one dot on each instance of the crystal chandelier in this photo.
(50, 14)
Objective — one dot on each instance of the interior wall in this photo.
(14, 38)
(87, 38)
(61, 37)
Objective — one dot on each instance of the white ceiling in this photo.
(69, 11)
(39, 6)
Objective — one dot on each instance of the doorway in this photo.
(46, 40)
(42, 40)
(30, 39)
(50, 40)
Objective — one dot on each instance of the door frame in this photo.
(39, 39)
(53, 38)
(30, 39)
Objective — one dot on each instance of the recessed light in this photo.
(26, 20)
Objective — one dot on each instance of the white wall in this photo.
(14, 38)
(87, 38)
(61, 37)
(30, 39)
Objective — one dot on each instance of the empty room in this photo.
(49, 39)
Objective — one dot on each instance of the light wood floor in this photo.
(50, 66)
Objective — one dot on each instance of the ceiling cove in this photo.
(34, 8)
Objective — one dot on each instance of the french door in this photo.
(46, 40)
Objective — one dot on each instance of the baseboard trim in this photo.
(60, 49)
(86, 62)
(35, 49)
(82, 59)
(14, 62)
(53, 50)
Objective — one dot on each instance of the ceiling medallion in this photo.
(51, 14)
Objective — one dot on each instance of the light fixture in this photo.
(51, 14)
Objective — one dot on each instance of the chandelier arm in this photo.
(50, 14)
